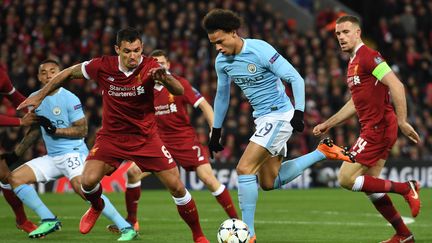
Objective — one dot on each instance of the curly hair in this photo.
(221, 19)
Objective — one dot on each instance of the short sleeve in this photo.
(90, 68)
(5, 83)
(192, 95)
(75, 110)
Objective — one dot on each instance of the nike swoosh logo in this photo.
(260, 136)
(406, 239)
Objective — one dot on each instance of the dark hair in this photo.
(128, 34)
(221, 19)
(49, 61)
(158, 53)
(348, 18)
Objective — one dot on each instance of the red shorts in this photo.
(189, 155)
(148, 153)
(373, 145)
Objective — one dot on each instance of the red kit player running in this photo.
(181, 141)
(370, 81)
(129, 129)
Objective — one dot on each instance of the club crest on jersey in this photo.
(56, 110)
(252, 68)
(170, 98)
(138, 78)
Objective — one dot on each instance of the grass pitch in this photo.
(316, 215)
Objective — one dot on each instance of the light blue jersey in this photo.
(257, 70)
(62, 109)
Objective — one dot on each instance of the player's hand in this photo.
(32, 102)
(320, 129)
(47, 125)
(29, 119)
(10, 157)
(214, 143)
(409, 131)
(159, 74)
(297, 121)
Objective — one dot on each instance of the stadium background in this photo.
(75, 31)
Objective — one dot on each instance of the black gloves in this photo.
(297, 121)
(47, 125)
(10, 157)
(214, 144)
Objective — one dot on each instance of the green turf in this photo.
(318, 215)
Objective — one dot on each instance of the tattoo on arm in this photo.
(30, 138)
(77, 130)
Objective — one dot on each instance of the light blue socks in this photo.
(112, 214)
(290, 169)
(248, 196)
(30, 198)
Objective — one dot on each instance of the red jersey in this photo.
(127, 96)
(371, 97)
(171, 112)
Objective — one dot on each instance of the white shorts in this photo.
(273, 131)
(47, 168)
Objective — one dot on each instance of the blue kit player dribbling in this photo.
(258, 69)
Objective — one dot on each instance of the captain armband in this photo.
(381, 70)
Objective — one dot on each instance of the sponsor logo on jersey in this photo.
(56, 111)
(120, 91)
(252, 68)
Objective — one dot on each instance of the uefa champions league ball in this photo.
(233, 231)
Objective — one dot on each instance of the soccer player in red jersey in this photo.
(7, 89)
(7, 159)
(370, 81)
(129, 129)
(180, 139)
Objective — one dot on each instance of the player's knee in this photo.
(345, 181)
(177, 190)
(267, 186)
(242, 170)
(134, 174)
(4, 177)
(14, 180)
(89, 181)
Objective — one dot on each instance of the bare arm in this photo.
(30, 138)
(77, 130)
(207, 112)
(347, 111)
(69, 73)
(397, 93)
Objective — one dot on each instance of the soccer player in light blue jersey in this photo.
(64, 128)
(258, 69)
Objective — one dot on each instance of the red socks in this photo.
(385, 206)
(189, 214)
(94, 197)
(132, 195)
(16, 205)
(225, 201)
(372, 184)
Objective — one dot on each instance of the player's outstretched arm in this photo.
(78, 129)
(347, 111)
(29, 139)
(69, 73)
(397, 93)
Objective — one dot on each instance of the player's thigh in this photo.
(44, 169)
(94, 171)
(206, 175)
(22, 175)
(252, 159)
(376, 170)
(349, 172)
(268, 172)
(171, 180)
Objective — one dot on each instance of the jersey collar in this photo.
(126, 72)
(356, 50)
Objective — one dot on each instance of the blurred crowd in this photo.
(76, 31)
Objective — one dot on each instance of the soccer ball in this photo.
(233, 231)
